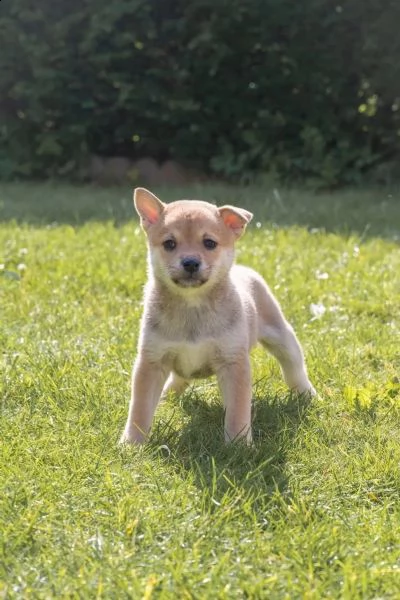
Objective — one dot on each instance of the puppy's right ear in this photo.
(148, 206)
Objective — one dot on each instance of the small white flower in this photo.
(21, 267)
(317, 310)
(320, 275)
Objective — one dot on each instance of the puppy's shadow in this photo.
(219, 468)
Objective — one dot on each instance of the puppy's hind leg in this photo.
(281, 341)
(174, 384)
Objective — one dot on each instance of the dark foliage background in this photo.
(306, 90)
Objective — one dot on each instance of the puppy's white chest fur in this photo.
(186, 359)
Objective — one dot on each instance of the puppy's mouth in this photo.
(189, 281)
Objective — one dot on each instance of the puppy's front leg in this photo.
(235, 385)
(147, 382)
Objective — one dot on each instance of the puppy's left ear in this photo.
(235, 219)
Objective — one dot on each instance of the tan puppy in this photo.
(203, 314)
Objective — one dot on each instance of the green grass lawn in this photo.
(311, 511)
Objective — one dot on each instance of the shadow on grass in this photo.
(236, 471)
(369, 212)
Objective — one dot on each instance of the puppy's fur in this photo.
(203, 314)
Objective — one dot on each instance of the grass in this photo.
(311, 511)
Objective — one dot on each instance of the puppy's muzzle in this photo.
(191, 272)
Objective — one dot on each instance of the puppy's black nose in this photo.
(191, 265)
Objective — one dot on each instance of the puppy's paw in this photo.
(131, 437)
(243, 437)
(306, 389)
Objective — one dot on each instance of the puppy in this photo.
(203, 314)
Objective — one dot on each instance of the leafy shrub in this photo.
(307, 90)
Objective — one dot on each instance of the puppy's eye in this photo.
(209, 244)
(169, 245)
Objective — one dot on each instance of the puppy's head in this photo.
(191, 242)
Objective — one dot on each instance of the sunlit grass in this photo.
(311, 511)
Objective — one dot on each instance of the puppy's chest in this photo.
(185, 340)
(188, 360)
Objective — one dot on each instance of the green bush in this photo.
(305, 90)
